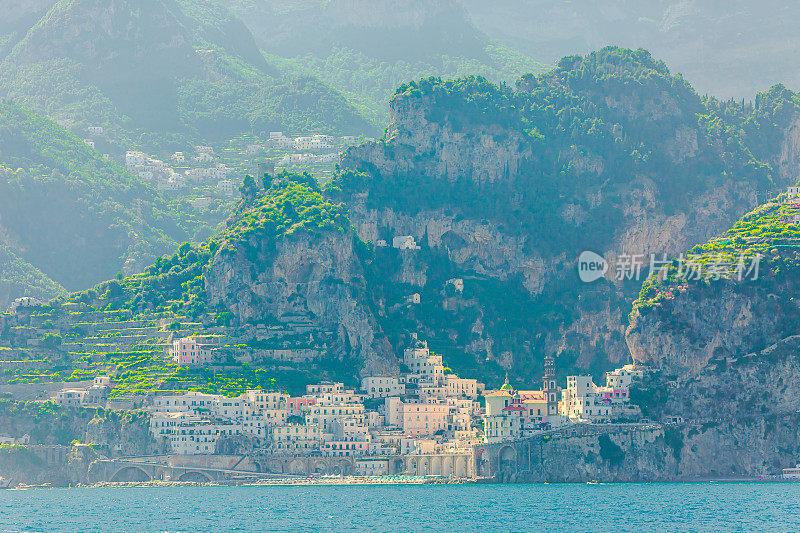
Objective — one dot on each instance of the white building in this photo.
(405, 242)
(189, 402)
(135, 159)
(382, 387)
(456, 387)
(24, 302)
(296, 439)
(70, 397)
(226, 188)
(582, 401)
(423, 366)
(622, 378)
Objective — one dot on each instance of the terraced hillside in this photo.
(279, 292)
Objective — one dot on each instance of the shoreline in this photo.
(368, 481)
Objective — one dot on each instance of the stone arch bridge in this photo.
(214, 468)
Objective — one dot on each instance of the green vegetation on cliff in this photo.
(593, 122)
(609, 152)
(291, 204)
(763, 244)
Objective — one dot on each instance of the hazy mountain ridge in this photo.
(163, 66)
(502, 188)
(366, 49)
(727, 49)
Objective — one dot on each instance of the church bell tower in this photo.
(549, 385)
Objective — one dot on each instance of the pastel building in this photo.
(189, 351)
(296, 438)
(462, 387)
(296, 405)
(325, 387)
(393, 407)
(185, 403)
(425, 418)
(423, 366)
(620, 380)
(325, 415)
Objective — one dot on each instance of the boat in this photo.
(591, 482)
(5, 483)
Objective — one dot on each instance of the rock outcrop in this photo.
(722, 350)
(316, 279)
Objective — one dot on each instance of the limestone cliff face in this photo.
(712, 450)
(431, 147)
(415, 141)
(305, 279)
(788, 159)
(724, 350)
(700, 325)
(723, 353)
(123, 434)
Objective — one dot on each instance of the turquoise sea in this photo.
(484, 508)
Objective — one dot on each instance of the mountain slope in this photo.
(365, 49)
(170, 66)
(720, 331)
(72, 214)
(287, 264)
(505, 188)
(20, 278)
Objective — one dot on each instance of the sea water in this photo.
(483, 507)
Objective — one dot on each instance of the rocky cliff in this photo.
(722, 345)
(691, 452)
(50, 453)
(282, 286)
(305, 278)
(500, 188)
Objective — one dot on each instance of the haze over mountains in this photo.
(213, 68)
(158, 67)
(462, 224)
(159, 70)
(70, 216)
(729, 49)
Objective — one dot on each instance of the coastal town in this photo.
(378, 426)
